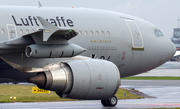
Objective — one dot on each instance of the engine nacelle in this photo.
(91, 79)
(53, 51)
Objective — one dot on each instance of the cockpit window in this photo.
(158, 33)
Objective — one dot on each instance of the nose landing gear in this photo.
(112, 101)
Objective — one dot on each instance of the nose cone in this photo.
(167, 50)
(173, 49)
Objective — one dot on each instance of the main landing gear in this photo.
(112, 101)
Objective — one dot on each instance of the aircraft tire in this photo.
(112, 101)
(104, 102)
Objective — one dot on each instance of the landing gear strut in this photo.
(112, 101)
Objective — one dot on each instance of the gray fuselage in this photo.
(127, 41)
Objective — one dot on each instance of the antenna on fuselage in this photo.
(40, 5)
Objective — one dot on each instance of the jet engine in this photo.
(91, 79)
(53, 51)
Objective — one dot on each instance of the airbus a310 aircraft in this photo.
(79, 53)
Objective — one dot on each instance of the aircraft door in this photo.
(137, 40)
(11, 31)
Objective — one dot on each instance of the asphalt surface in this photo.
(123, 104)
(167, 69)
(166, 93)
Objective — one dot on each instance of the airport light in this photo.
(14, 98)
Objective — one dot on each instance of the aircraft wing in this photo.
(49, 34)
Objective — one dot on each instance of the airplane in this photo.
(79, 53)
(176, 56)
(177, 53)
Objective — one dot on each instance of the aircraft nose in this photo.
(173, 49)
(167, 50)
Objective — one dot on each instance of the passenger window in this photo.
(27, 31)
(2, 31)
(80, 33)
(33, 30)
(102, 32)
(91, 32)
(108, 33)
(97, 33)
(85, 32)
(21, 31)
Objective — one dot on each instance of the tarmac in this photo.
(165, 93)
(168, 69)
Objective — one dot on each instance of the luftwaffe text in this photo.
(33, 21)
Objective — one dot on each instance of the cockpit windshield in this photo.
(158, 33)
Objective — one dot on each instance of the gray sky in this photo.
(162, 13)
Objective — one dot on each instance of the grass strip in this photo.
(150, 78)
(120, 94)
(23, 93)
